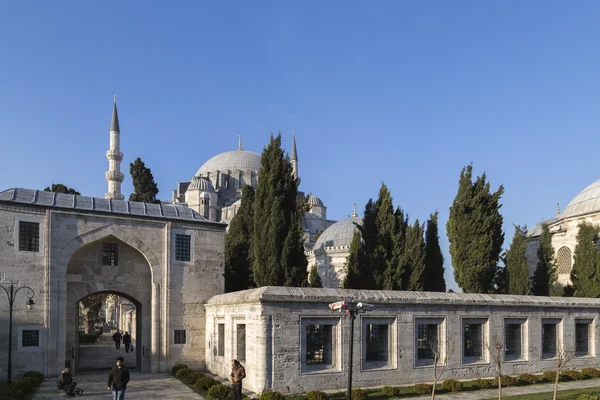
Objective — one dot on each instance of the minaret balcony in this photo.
(114, 196)
(114, 176)
(114, 155)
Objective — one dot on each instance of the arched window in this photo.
(563, 260)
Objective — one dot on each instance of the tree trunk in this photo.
(556, 384)
(500, 386)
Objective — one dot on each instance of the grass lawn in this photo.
(572, 394)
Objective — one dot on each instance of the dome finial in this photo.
(354, 214)
(239, 142)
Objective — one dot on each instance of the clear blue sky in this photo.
(395, 91)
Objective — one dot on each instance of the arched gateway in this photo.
(166, 259)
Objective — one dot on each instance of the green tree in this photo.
(144, 187)
(238, 245)
(355, 265)
(543, 282)
(60, 188)
(475, 233)
(586, 268)
(517, 268)
(434, 260)
(277, 246)
(382, 260)
(414, 256)
(359, 262)
(314, 280)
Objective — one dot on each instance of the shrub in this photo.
(506, 381)
(423, 388)
(483, 383)
(591, 372)
(177, 368)
(391, 391)
(34, 374)
(183, 373)
(220, 392)
(23, 385)
(316, 395)
(359, 394)
(571, 374)
(18, 394)
(206, 382)
(83, 338)
(270, 396)
(6, 397)
(33, 382)
(452, 385)
(527, 379)
(549, 376)
(588, 397)
(192, 378)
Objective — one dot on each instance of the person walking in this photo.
(117, 338)
(237, 374)
(118, 377)
(65, 382)
(127, 342)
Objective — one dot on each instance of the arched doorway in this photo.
(109, 266)
(100, 315)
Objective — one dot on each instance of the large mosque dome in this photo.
(587, 201)
(339, 234)
(231, 160)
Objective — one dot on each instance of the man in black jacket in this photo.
(117, 380)
(66, 382)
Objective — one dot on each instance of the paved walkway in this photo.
(141, 387)
(102, 354)
(515, 391)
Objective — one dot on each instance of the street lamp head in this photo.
(30, 303)
(365, 307)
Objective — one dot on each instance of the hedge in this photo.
(220, 392)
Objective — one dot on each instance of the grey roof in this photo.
(339, 234)
(537, 229)
(201, 184)
(314, 201)
(85, 203)
(231, 160)
(294, 153)
(114, 123)
(587, 201)
(330, 295)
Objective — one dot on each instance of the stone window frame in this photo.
(593, 327)
(41, 343)
(336, 345)
(391, 363)
(180, 231)
(221, 321)
(524, 322)
(235, 321)
(485, 339)
(441, 321)
(39, 219)
(187, 336)
(558, 337)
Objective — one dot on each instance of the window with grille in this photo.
(549, 339)
(110, 254)
(241, 342)
(319, 344)
(582, 338)
(377, 342)
(180, 336)
(182, 247)
(473, 340)
(563, 260)
(427, 341)
(29, 236)
(221, 340)
(30, 338)
(513, 340)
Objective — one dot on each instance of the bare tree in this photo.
(563, 357)
(496, 350)
(440, 361)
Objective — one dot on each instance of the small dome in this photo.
(314, 201)
(339, 234)
(587, 201)
(201, 184)
(231, 160)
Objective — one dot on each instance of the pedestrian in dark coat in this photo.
(118, 377)
(117, 338)
(237, 374)
(127, 342)
(66, 382)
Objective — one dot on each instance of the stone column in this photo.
(155, 346)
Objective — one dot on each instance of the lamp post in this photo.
(11, 292)
(351, 311)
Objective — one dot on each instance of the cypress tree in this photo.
(475, 233)
(355, 278)
(395, 276)
(238, 245)
(517, 269)
(277, 246)
(367, 242)
(144, 187)
(543, 282)
(414, 254)
(314, 280)
(60, 188)
(585, 274)
(434, 260)
(382, 262)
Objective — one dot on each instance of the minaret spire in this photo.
(114, 176)
(240, 142)
(294, 159)
(354, 214)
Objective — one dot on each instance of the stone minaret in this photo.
(294, 159)
(114, 176)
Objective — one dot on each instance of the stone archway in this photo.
(92, 269)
